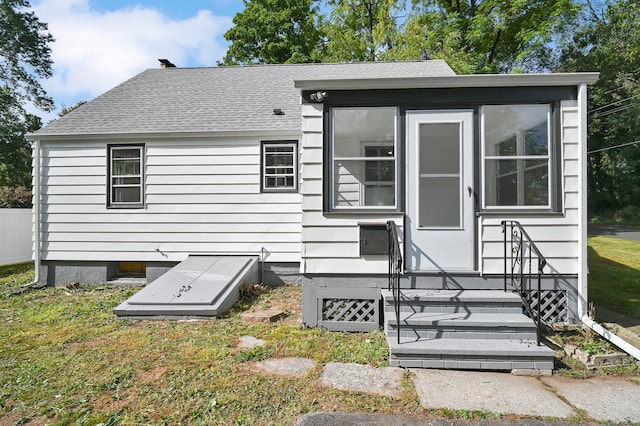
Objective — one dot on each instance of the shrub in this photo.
(629, 215)
(15, 198)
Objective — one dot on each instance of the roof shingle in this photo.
(219, 99)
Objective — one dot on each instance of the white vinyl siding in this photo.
(202, 196)
(557, 236)
(330, 243)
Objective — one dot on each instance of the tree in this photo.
(25, 57)
(362, 30)
(485, 36)
(64, 110)
(275, 32)
(15, 152)
(609, 42)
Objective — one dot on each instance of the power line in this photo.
(613, 147)
(619, 109)
(614, 103)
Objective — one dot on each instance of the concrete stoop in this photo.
(463, 329)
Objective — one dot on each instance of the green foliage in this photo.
(275, 32)
(25, 53)
(472, 36)
(15, 151)
(485, 36)
(24, 60)
(15, 198)
(64, 110)
(362, 30)
(609, 42)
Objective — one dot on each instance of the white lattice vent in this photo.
(349, 310)
(553, 305)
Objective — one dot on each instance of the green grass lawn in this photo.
(65, 358)
(614, 274)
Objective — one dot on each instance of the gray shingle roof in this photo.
(221, 99)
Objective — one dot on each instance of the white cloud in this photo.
(94, 51)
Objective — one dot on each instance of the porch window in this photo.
(364, 158)
(279, 166)
(126, 183)
(517, 163)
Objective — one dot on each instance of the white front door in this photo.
(439, 229)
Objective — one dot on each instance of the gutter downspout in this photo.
(582, 263)
(36, 216)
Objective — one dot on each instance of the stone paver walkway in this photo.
(604, 398)
(489, 392)
(385, 381)
(612, 399)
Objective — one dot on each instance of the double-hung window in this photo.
(279, 166)
(364, 158)
(126, 180)
(516, 156)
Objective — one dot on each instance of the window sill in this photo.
(363, 212)
(130, 207)
(523, 213)
(280, 191)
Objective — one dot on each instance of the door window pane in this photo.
(439, 202)
(440, 148)
(439, 181)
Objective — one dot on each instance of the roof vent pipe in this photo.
(165, 63)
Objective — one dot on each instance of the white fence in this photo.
(15, 235)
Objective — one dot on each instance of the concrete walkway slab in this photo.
(603, 398)
(489, 392)
(286, 367)
(385, 381)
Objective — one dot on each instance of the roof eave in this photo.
(263, 134)
(457, 81)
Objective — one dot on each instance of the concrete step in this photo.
(478, 354)
(432, 325)
(463, 329)
(454, 301)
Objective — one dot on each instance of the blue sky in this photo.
(101, 43)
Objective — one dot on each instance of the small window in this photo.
(126, 183)
(517, 161)
(279, 166)
(364, 158)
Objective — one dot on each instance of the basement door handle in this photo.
(470, 190)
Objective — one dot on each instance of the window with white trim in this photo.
(279, 166)
(516, 156)
(126, 182)
(364, 158)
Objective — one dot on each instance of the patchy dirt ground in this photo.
(287, 298)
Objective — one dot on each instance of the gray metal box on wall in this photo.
(374, 240)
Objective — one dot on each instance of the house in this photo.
(305, 166)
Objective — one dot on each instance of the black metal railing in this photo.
(520, 255)
(395, 270)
